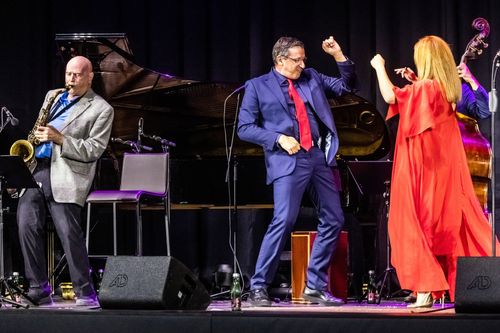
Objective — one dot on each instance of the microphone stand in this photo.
(140, 126)
(165, 146)
(493, 104)
(235, 210)
(233, 214)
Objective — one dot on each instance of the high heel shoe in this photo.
(424, 300)
(441, 301)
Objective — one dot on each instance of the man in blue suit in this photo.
(286, 112)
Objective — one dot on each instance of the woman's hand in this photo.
(406, 73)
(384, 82)
(377, 62)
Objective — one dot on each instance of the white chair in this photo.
(145, 177)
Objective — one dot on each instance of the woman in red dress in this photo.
(434, 214)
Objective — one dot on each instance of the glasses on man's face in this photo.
(76, 75)
(297, 60)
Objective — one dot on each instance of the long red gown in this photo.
(434, 214)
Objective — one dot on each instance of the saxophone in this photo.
(25, 148)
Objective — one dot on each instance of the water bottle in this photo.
(372, 289)
(15, 278)
(100, 274)
(17, 287)
(236, 293)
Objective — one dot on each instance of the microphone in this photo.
(136, 147)
(13, 120)
(229, 152)
(232, 93)
(140, 128)
(160, 140)
(235, 91)
(167, 143)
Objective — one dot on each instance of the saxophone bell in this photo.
(24, 149)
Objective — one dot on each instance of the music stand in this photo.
(374, 177)
(13, 174)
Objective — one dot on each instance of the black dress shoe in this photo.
(259, 297)
(322, 297)
(40, 296)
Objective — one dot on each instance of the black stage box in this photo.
(478, 285)
(132, 282)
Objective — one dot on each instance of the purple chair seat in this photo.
(144, 176)
(109, 196)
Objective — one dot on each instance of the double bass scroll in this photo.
(476, 45)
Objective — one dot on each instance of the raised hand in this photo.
(377, 62)
(406, 73)
(331, 47)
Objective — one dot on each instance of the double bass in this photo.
(477, 148)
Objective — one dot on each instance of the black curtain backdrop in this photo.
(228, 41)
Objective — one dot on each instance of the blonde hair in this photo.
(434, 61)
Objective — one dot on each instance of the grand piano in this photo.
(192, 114)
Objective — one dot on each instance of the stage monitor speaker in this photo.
(133, 282)
(478, 285)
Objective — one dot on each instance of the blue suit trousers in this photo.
(314, 175)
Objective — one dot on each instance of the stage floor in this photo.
(385, 307)
(393, 306)
(389, 316)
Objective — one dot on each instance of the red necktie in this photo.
(301, 114)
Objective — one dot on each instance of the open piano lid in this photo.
(190, 112)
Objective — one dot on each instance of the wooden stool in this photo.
(302, 243)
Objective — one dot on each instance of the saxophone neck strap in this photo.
(57, 111)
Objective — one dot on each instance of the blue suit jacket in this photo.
(264, 115)
(474, 103)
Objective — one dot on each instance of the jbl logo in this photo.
(119, 281)
(480, 282)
